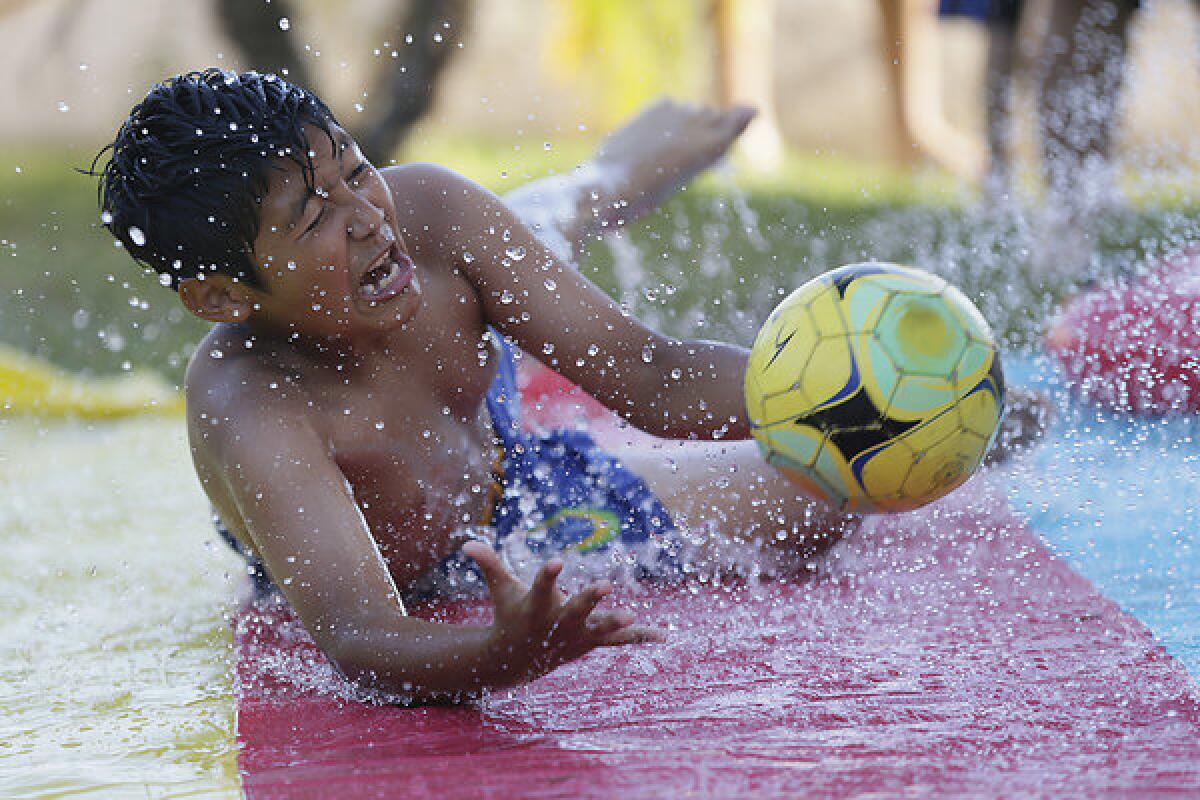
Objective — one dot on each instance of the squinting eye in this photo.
(316, 221)
(358, 171)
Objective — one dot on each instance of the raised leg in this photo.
(724, 492)
(635, 169)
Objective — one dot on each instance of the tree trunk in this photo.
(426, 35)
(254, 27)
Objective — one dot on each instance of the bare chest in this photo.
(418, 452)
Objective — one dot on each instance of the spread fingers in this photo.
(579, 608)
(544, 594)
(633, 634)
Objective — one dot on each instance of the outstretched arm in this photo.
(678, 388)
(304, 524)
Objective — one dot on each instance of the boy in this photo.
(353, 418)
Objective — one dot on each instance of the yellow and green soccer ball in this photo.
(875, 387)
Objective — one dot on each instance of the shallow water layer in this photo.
(114, 637)
(114, 632)
(1117, 496)
(941, 653)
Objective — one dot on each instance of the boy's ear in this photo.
(216, 298)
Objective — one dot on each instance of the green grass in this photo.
(711, 263)
(826, 180)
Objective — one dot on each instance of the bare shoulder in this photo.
(425, 180)
(433, 201)
(231, 394)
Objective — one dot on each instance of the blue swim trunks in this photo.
(555, 493)
(559, 492)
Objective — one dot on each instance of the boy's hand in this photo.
(539, 628)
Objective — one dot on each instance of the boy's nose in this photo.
(365, 221)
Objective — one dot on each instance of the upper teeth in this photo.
(382, 258)
(391, 275)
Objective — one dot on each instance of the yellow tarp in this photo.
(29, 385)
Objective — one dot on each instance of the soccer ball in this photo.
(875, 387)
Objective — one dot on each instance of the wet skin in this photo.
(341, 433)
(398, 406)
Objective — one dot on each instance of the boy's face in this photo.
(331, 262)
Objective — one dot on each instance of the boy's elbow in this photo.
(356, 661)
(388, 678)
(369, 677)
(347, 657)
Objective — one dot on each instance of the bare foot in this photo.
(635, 168)
(659, 150)
(1024, 424)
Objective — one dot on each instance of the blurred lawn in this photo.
(712, 263)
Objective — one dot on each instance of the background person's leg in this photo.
(1083, 66)
(1083, 70)
(1002, 22)
(912, 56)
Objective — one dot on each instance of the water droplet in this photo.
(106, 218)
(516, 253)
(215, 353)
(379, 425)
(63, 107)
(647, 354)
(136, 236)
(284, 23)
(548, 348)
(291, 265)
(506, 297)
(550, 284)
(468, 256)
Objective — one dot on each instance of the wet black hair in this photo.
(183, 186)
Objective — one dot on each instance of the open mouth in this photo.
(389, 276)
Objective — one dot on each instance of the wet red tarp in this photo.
(941, 652)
